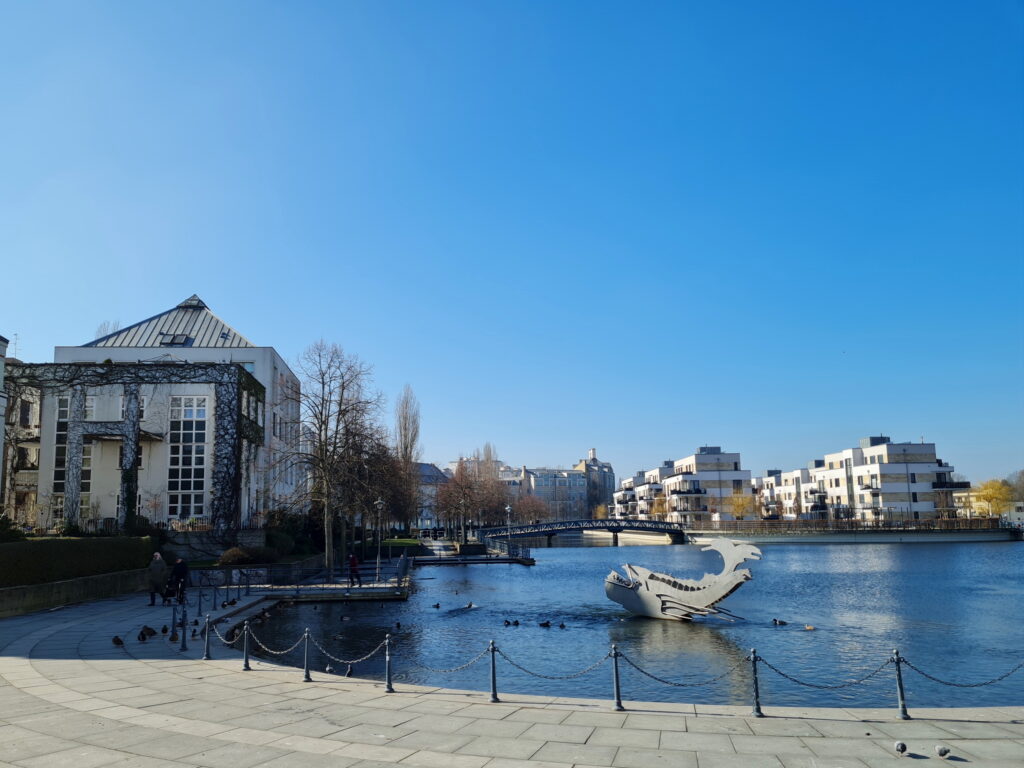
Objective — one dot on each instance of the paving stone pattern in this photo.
(70, 698)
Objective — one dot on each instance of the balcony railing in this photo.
(950, 485)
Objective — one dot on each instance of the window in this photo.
(142, 408)
(913, 496)
(913, 477)
(186, 471)
(25, 414)
(90, 408)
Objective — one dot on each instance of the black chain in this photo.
(675, 684)
(582, 672)
(468, 664)
(792, 679)
(961, 685)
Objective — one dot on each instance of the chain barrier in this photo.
(271, 650)
(468, 664)
(232, 641)
(961, 685)
(819, 687)
(582, 672)
(674, 684)
(332, 657)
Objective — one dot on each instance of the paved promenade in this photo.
(70, 699)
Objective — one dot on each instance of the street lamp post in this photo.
(508, 528)
(379, 504)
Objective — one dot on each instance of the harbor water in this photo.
(954, 610)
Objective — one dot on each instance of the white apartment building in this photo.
(783, 494)
(877, 480)
(211, 418)
(708, 485)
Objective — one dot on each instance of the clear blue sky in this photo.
(774, 227)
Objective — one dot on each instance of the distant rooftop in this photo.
(189, 324)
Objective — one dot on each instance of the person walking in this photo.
(353, 570)
(157, 577)
(179, 579)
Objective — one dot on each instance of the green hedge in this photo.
(38, 561)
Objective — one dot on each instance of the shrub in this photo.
(37, 561)
(9, 531)
(248, 556)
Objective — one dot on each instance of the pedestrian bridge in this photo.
(612, 526)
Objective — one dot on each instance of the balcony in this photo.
(950, 485)
(688, 492)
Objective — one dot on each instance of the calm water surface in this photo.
(955, 610)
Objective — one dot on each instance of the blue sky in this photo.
(774, 227)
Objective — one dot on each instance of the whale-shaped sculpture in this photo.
(662, 596)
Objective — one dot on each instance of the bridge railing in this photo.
(506, 547)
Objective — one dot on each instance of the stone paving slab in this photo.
(69, 697)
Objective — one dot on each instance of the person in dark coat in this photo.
(157, 577)
(179, 580)
(353, 571)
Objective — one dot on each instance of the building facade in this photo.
(877, 480)
(431, 478)
(177, 419)
(708, 485)
(600, 481)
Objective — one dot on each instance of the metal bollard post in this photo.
(899, 685)
(756, 711)
(615, 679)
(388, 688)
(245, 648)
(494, 673)
(206, 640)
(174, 618)
(184, 627)
(305, 658)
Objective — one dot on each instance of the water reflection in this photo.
(950, 607)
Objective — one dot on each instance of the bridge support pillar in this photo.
(677, 538)
(551, 540)
(615, 538)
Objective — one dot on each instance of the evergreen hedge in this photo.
(37, 561)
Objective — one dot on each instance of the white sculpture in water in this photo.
(662, 596)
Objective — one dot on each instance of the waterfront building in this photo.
(784, 495)
(563, 491)
(600, 481)
(877, 480)
(568, 494)
(177, 418)
(708, 485)
(431, 478)
(968, 505)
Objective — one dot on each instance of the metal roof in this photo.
(190, 324)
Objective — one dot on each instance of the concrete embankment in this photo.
(71, 697)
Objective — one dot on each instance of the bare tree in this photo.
(407, 453)
(107, 327)
(343, 446)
